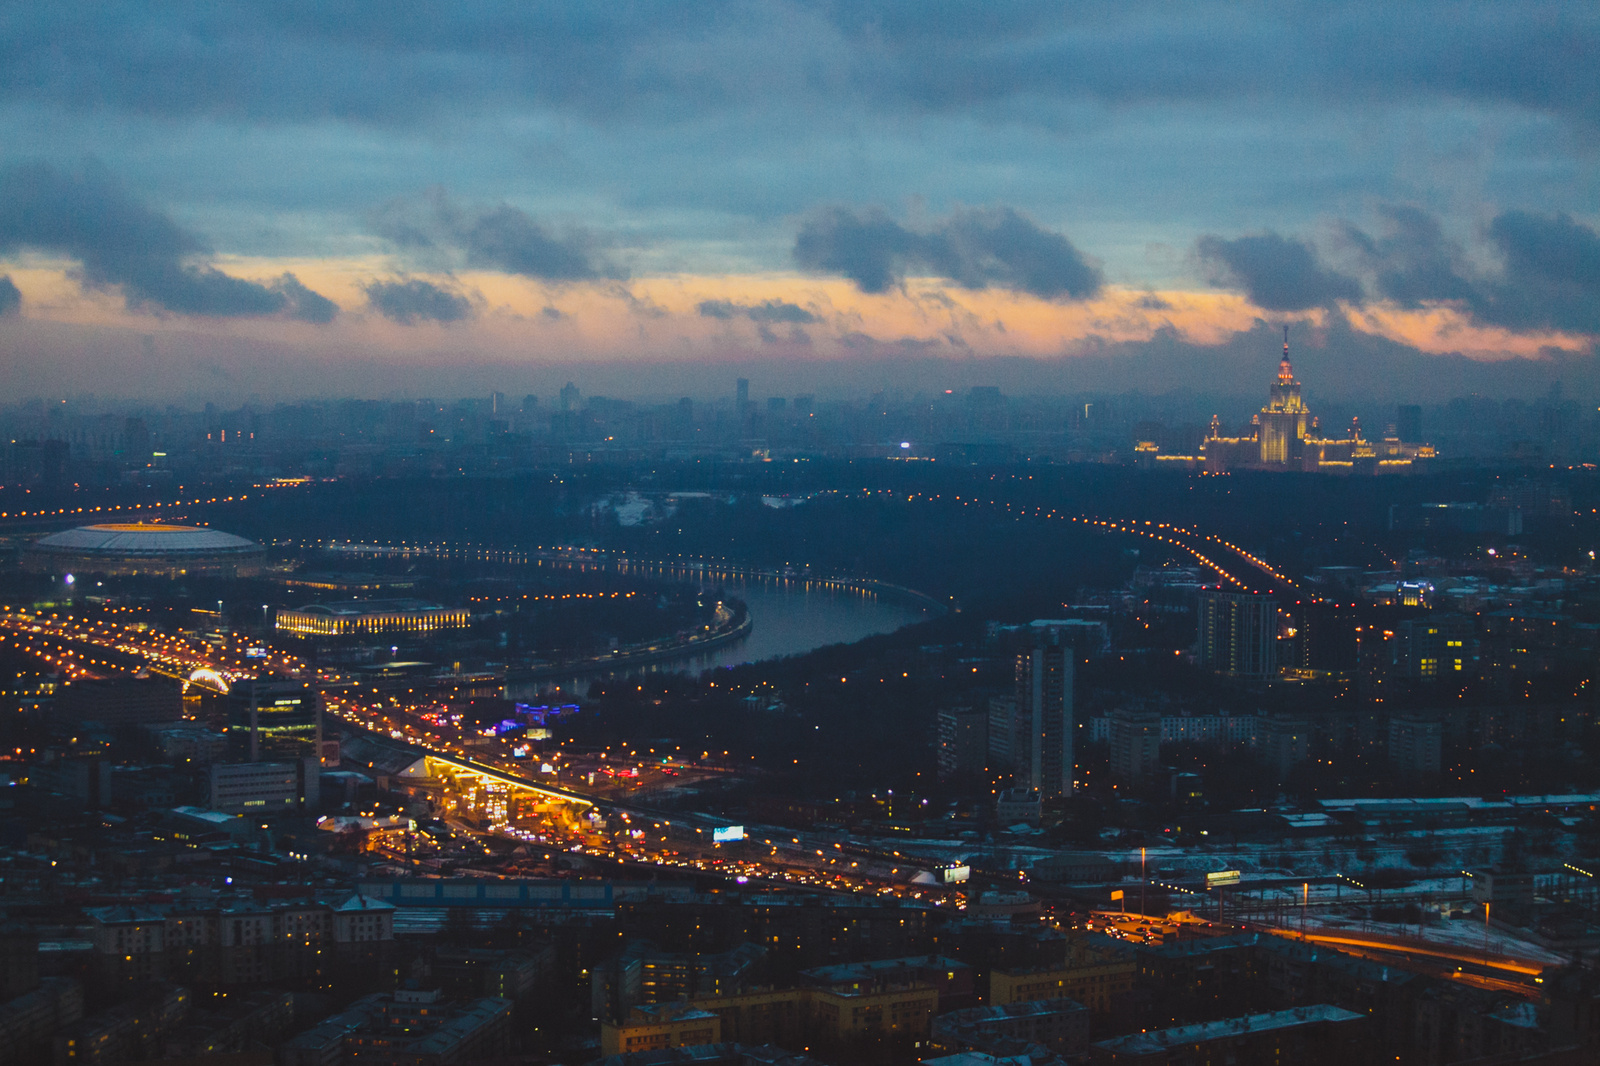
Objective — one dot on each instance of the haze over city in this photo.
(799, 534)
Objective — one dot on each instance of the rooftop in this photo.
(358, 608)
(1157, 1041)
(140, 538)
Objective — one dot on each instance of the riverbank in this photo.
(733, 623)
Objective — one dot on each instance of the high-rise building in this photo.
(963, 742)
(1327, 635)
(1283, 742)
(1415, 746)
(741, 394)
(1042, 748)
(569, 397)
(1002, 735)
(1238, 633)
(1135, 745)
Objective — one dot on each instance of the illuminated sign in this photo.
(725, 834)
(1221, 878)
(255, 653)
(956, 874)
(521, 751)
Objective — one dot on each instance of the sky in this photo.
(289, 199)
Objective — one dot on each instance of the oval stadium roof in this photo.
(136, 539)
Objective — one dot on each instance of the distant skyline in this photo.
(386, 200)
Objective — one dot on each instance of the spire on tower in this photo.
(1285, 371)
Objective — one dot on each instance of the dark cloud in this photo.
(412, 300)
(723, 309)
(10, 296)
(1548, 276)
(412, 63)
(1413, 262)
(303, 304)
(1551, 273)
(975, 249)
(765, 311)
(1277, 273)
(553, 314)
(119, 241)
(496, 238)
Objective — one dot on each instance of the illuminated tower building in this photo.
(1283, 421)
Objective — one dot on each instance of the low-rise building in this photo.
(407, 1028)
(952, 978)
(1092, 975)
(239, 941)
(656, 1026)
(807, 1016)
(1062, 1025)
(28, 1021)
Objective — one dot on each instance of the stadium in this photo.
(144, 549)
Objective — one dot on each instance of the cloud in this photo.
(1277, 273)
(412, 300)
(976, 249)
(500, 238)
(119, 241)
(303, 304)
(1548, 275)
(765, 311)
(1551, 273)
(372, 62)
(10, 296)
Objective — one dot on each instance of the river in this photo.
(788, 616)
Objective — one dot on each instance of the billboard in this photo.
(956, 874)
(727, 833)
(1222, 878)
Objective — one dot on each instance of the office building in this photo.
(1042, 757)
(1238, 634)
(265, 787)
(274, 718)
